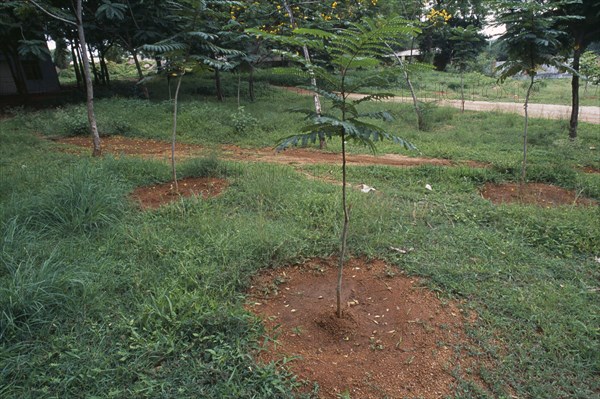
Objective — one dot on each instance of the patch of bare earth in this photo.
(119, 145)
(591, 169)
(395, 340)
(152, 197)
(540, 194)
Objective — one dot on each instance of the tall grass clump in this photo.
(85, 199)
(34, 290)
(209, 166)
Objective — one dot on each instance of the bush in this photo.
(242, 121)
(70, 121)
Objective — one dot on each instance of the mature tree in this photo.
(581, 21)
(530, 41)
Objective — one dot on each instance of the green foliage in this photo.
(35, 292)
(530, 40)
(111, 10)
(242, 121)
(590, 67)
(349, 49)
(83, 200)
(209, 166)
(465, 49)
(151, 305)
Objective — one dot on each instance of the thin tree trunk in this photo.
(218, 85)
(138, 66)
(93, 63)
(140, 73)
(524, 165)
(75, 65)
(420, 121)
(174, 135)
(251, 84)
(462, 92)
(89, 88)
(80, 63)
(313, 79)
(574, 121)
(238, 88)
(344, 232)
(104, 69)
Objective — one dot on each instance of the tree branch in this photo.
(52, 15)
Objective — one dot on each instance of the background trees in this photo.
(442, 16)
(580, 20)
(73, 16)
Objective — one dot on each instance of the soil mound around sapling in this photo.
(396, 338)
(540, 194)
(152, 197)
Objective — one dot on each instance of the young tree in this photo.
(530, 41)
(189, 48)
(75, 18)
(358, 46)
(464, 52)
(410, 10)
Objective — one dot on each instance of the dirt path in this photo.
(118, 145)
(588, 114)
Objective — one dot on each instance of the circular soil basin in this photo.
(152, 197)
(540, 194)
(396, 339)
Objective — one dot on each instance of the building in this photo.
(27, 75)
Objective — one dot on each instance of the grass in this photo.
(99, 299)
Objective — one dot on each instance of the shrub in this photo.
(242, 121)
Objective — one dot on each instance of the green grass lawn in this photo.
(99, 299)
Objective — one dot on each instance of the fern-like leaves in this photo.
(359, 46)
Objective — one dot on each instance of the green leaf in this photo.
(314, 32)
(373, 97)
(111, 10)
